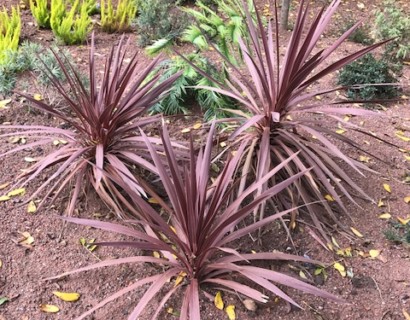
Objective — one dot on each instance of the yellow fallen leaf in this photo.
(380, 203)
(49, 308)
(403, 221)
(223, 144)
(230, 311)
(364, 159)
(346, 118)
(196, 126)
(4, 185)
(385, 216)
(356, 232)
(387, 187)
(153, 200)
(1, 263)
(180, 278)
(4, 198)
(335, 243)
(28, 238)
(407, 199)
(67, 296)
(218, 302)
(361, 5)
(156, 254)
(4, 103)
(340, 131)
(186, 130)
(406, 315)
(31, 208)
(329, 198)
(339, 267)
(400, 135)
(30, 159)
(374, 253)
(37, 97)
(17, 192)
(407, 157)
(302, 275)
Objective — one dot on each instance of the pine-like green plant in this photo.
(70, 26)
(159, 19)
(41, 11)
(117, 19)
(10, 27)
(224, 26)
(182, 91)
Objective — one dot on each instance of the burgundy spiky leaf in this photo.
(104, 122)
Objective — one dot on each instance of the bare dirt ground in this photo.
(375, 289)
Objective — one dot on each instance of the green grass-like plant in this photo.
(10, 27)
(70, 26)
(117, 19)
(41, 11)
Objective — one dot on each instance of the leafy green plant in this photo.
(102, 138)
(194, 235)
(182, 92)
(399, 233)
(393, 22)
(71, 26)
(10, 27)
(360, 35)
(31, 57)
(368, 70)
(159, 19)
(118, 19)
(276, 95)
(41, 11)
(224, 27)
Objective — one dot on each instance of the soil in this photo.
(374, 288)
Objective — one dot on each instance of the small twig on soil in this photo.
(385, 314)
(378, 289)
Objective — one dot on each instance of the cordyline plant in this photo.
(103, 135)
(195, 232)
(278, 119)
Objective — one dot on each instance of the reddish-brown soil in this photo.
(377, 289)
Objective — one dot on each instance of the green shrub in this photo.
(392, 22)
(10, 27)
(223, 26)
(368, 70)
(29, 57)
(183, 92)
(41, 11)
(360, 35)
(71, 26)
(399, 233)
(119, 19)
(159, 19)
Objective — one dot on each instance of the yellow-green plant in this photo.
(119, 19)
(10, 26)
(41, 11)
(71, 26)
